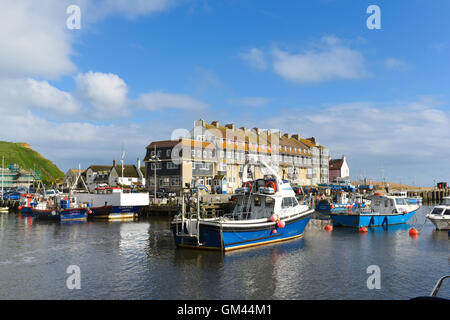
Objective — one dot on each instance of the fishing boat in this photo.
(114, 203)
(26, 203)
(266, 212)
(384, 210)
(61, 208)
(440, 216)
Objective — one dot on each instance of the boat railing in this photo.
(436, 288)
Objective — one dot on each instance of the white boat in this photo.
(4, 209)
(114, 203)
(440, 216)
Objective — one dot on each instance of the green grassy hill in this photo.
(26, 158)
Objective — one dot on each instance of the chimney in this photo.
(215, 124)
(257, 130)
(230, 126)
(243, 129)
(312, 139)
(287, 135)
(199, 123)
(296, 137)
(114, 162)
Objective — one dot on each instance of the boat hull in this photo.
(114, 212)
(71, 214)
(369, 220)
(440, 222)
(233, 236)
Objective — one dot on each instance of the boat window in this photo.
(447, 212)
(400, 202)
(386, 203)
(270, 202)
(288, 202)
(257, 201)
(437, 211)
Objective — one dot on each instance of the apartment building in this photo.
(214, 156)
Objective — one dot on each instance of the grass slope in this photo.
(26, 158)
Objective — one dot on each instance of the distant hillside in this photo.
(392, 186)
(26, 158)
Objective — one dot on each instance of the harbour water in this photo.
(138, 260)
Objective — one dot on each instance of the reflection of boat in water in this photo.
(440, 216)
(266, 212)
(384, 210)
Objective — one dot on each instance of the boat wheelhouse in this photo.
(266, 211)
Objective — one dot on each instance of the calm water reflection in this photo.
(138, 260)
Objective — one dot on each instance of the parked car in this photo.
(52, 192)
(11, 196)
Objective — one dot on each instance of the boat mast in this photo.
(3, 172)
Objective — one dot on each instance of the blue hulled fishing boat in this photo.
(384, 210)
(266, 212)
(60, 209)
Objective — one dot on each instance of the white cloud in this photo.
(133, 8)
(332, 60)
(255, 58)
(407, 138)
(251, 101)
(105, 92)
(17, 95)
(160, 100)
(396, 64)
(34, 39)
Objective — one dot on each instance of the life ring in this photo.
(271, 184)
(247, 184)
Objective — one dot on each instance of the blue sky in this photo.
(137, 70)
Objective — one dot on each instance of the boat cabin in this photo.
(259, 206)
(445, 201)
(389, 204)
(401, 194)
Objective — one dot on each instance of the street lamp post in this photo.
(155, 159)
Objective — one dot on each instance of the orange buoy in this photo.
(363, 229)
(329, 227)
(274, 231)
(281, 224)
(413, 232)
(20, 208)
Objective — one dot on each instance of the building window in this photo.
(168, 152)
(176, 181)
(171, 165)
(158, 166)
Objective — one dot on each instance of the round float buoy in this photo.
(90, 211)
(273, 218)
(281, 224)
(363, 229)
(329, 227)
(274, 231)
(20, 208)
(413, 232)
